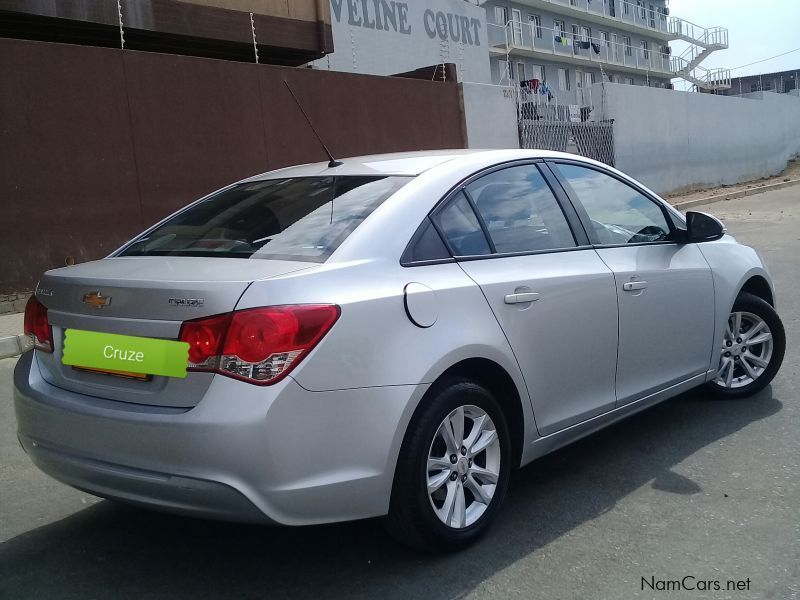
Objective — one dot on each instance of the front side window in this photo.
(619, 214)
(520, 211)
(298, 218)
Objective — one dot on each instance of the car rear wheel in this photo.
(453, 470)
(753, 345)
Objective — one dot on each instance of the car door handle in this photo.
(632, 286)
(521, 298)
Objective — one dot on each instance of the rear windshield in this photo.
(299, 218)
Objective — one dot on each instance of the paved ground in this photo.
(692, 487)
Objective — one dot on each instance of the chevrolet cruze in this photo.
(387, 337)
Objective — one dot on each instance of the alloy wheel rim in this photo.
(463, 466)
(746, 350)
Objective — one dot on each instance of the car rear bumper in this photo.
(276, 454)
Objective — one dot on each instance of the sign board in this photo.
(379, 37)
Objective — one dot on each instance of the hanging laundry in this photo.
(535, 85)
(544, 90)
(596, 48)
(585, 45)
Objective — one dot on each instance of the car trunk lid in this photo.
(146, 297)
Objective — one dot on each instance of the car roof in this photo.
(409, 164)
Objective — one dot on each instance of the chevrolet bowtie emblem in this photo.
(96, 300)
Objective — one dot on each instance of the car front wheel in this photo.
(453, 470)
(752, 350)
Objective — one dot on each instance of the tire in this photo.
(416, 518)
(769, 352)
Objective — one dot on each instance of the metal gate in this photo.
(549, 126)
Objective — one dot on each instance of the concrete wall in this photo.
(490, 114)
(674, 140)
(383, 38)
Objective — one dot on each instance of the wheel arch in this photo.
(757, 285)
(499, 382)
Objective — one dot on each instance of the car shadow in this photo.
(108, 550)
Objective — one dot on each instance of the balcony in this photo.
(525, 39)
(627, 16)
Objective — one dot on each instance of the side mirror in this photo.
(702, 227)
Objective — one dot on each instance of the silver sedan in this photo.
(385, 337)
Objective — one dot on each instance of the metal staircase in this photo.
(702, 42)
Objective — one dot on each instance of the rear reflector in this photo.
(258, 345)
(37, 325)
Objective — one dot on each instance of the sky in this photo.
(757, 29)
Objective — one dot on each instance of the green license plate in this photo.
(110, 352)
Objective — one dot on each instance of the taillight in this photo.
(258, 345)
(36, 324)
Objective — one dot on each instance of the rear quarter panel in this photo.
(374, 343)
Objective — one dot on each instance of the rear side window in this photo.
(520, 211)
(461, 229)
(300, 218)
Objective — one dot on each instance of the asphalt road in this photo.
(693, 487)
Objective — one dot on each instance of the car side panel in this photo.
(732, 265)
(375, 343)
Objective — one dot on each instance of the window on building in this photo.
(575, 33)
(535, 22)
(509, 70)
(537, 72)
(629, 81)
(645, 49)
(500, 15)
(626, 41)
(652, 17)
(642, 11)
(559, 28)
(626, 7)
(521, 71)
(606, 40)
(586, 34)
(563, 79)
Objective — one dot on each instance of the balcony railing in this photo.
(704, 36)
(517, 36)
(620, 10)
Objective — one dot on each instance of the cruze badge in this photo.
(186, 301)
(96, 300)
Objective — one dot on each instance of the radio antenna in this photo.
(333, 162)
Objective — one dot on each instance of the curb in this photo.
(733, 195)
